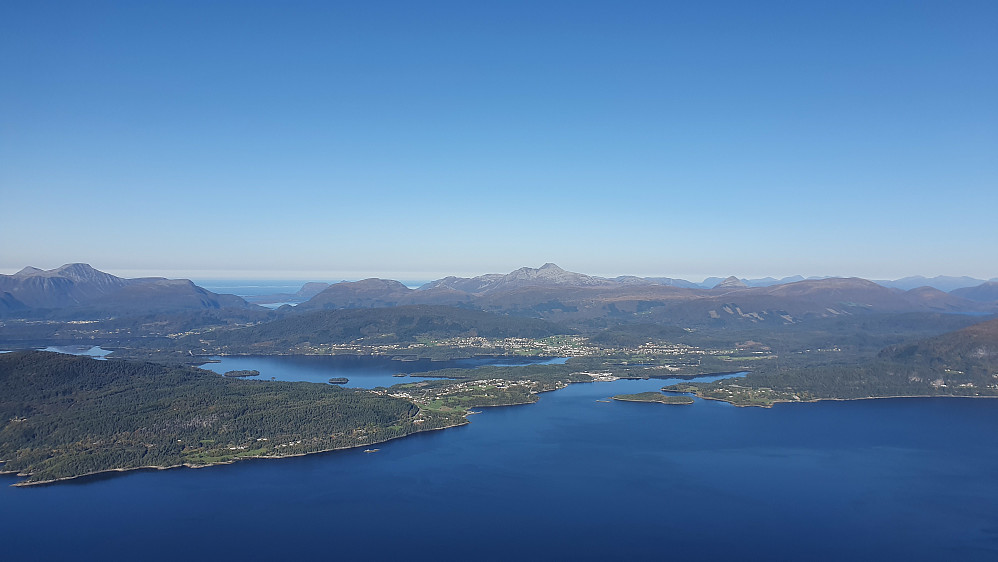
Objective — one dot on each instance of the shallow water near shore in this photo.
(567, 477)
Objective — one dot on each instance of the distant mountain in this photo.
(795, 302)
(307, 291)
(942, 282)
(552, 293)
(525, 291)
(548, 292)
(70, 285)
(668, 281)
(369, 293)
(548, 275)
(985, 292)
(80, 289)
(731, 283)
(770, 281)
(712, 282)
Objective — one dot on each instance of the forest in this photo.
(66, 416)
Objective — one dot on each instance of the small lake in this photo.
(88, 350)
(361, 370)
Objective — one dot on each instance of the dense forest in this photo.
(64, 416)
(959, 363)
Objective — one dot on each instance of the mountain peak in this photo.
(79, 286)
(731, 283)
(29, 271)
(77, 271)
(550, 266)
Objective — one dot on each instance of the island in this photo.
(339, 380)
(654, 397)
(242, 373)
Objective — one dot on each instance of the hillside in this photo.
(66, 416)
(972, 348)
(372, 326)
(985, 292)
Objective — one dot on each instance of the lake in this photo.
(567, 478)
(363, 371)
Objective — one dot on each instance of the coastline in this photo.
(465, 421)
(774, 402)
(27, 484)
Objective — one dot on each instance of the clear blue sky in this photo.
(415, 139)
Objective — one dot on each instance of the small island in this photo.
(243, 373)
(339, 380)
(654, 397)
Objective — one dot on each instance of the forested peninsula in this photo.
(66, 416)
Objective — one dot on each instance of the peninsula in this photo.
(657, 397)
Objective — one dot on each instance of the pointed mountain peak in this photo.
(731, 283)
(28, 271)
(550, 266)
(70, 268)
(81, 272)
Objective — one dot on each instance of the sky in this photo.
(412, 140)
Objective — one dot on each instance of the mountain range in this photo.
(552, 293)
(548, 292)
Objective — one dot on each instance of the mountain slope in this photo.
(985, 292)
(977, 344)
(80, 289)
(373, 326)
(369, 293)
(552, 293)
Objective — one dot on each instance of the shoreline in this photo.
(465, 421)
(816, 400)
(28, 484)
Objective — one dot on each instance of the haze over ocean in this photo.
(319, 140)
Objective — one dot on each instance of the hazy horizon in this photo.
(415, 278)
(417, 140)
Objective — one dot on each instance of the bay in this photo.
(569, 477)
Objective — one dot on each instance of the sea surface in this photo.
(568, 478)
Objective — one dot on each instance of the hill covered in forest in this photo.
(65, 416)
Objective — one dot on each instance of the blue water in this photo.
(362, 371)
(567, 478)
(88, 350)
